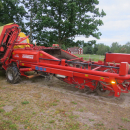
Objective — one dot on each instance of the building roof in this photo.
(73, 49)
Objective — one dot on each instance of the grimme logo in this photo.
(27, 56)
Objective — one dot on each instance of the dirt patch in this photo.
(88, 117)
(8, 108)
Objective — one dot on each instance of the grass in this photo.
(125, 119)
(71, 116)
(25, 102)
(93, 57)
(121, 127)
(99, 124)
(73, 102)
(13, 126)
(37, 107)
(72, 126)
(7, 113)
(91, 119)
(34, 113)
(51, 121)
(59, 111)
(1, 110)
(81, 110)
(8, 125)
(53, 104)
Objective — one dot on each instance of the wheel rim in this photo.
(101, 89)
(10, 76)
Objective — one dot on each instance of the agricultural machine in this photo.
(17, 57)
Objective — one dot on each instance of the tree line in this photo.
(58, 22)
(54, 21)
(101, 49)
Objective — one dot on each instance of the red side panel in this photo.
(117, 57)
(124, 67)
(25, 55)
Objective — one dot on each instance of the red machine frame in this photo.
(110, 76)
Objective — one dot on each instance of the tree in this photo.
(11, 11)
(59, 21)
(126, 48)
(31, 7)
(102, 49)
(95, 48)
(1, 6)
(115, 47)
(88, 49)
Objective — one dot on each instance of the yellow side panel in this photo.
(1, 27)
(8, 24)
(21, 46)
(21, 34)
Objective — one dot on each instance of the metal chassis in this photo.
(82, 77)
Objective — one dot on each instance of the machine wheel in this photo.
(13, 74)
(102, 92)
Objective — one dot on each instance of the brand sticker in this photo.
(27, 56)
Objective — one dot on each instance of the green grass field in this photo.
(93, 57)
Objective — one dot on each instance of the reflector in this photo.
(113, 82)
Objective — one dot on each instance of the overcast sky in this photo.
(116, 26)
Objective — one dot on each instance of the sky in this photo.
(116, 26)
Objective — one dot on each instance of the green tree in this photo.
(92, 42)
(88, 49)
(126, 48)
(59, 21)
(11, 11)
(102, 49)
(115, 47)
(1, 6)
(95, 49)
(31, 7)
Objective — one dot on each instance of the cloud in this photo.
(116, 26)
(116, 22)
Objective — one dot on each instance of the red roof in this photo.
(73, 49)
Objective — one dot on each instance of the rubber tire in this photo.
(104, 93)
(14, 71)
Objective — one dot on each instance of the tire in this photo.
(102, 92)
(13, 74)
